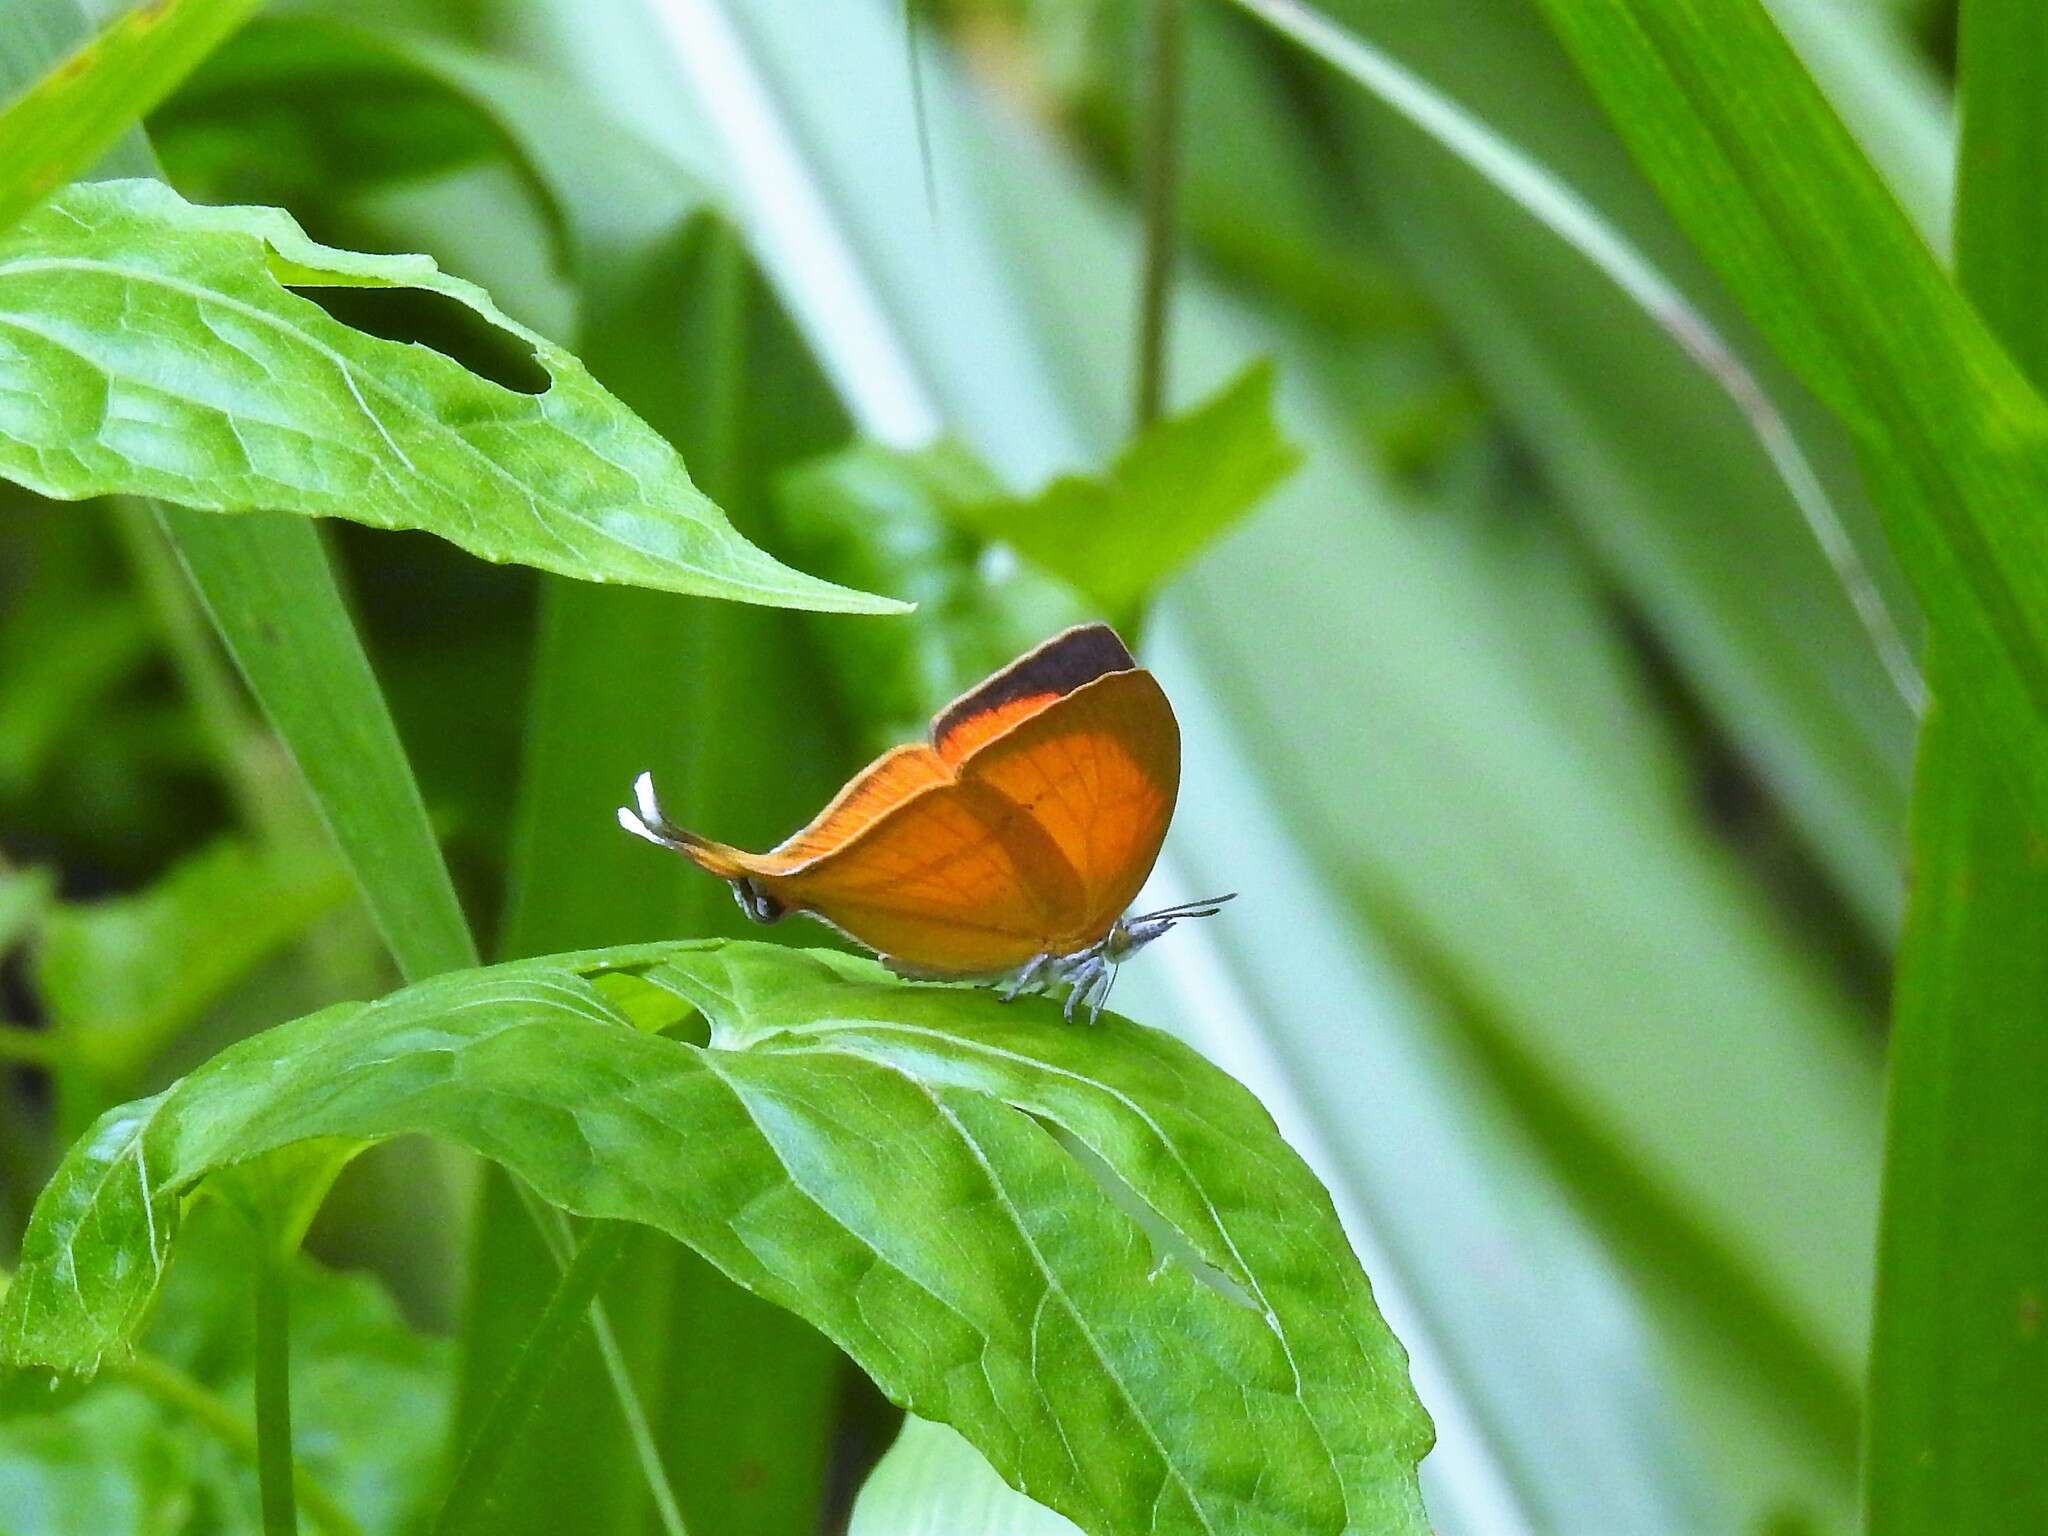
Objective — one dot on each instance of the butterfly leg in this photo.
(1084, 977)
(1028, 978)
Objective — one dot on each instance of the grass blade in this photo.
(1959, 1374)
(468, 1505)
(267, 583)
(920, 343)
(60, 125)
(1561, 210)
(1755, 165)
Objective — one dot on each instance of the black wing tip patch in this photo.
(1071, 659)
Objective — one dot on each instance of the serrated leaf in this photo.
(915, 1170)
(1174, 488)
(150, 346)
(62, 123)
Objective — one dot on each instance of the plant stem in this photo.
(274, 1393)
(465, 1508)
(1160, 175)
(554, 1231)
(175, 1390)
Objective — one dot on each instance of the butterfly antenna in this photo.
(1206, 906)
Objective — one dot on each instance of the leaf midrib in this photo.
(534, 500)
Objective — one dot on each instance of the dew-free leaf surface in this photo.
(1171, 491)
(1760, 172)
(65, 120)
(150, 346)
(938, 1182)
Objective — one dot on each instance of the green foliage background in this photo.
(1578, 438)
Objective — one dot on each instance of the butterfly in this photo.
(1005, 849)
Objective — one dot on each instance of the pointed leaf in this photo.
(943, 1185)
(150, 346)
(1172, 490)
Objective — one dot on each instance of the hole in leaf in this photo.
(651, 1009)
(1170, 1245)
(440, 323)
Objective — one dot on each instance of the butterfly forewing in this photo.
(958, 881)
(1096, 774)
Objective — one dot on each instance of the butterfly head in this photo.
(1132, 933)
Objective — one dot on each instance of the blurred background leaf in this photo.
(1565, 789)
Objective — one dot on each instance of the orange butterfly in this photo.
(1006, 849)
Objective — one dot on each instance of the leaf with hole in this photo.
(150, 346)
(940, 1183)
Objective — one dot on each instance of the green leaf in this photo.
(59, 126)
(1959, 1370)
(108, 1462)
(893, 521)
(59, 661)
(266, 581)
(303, 111)
(1001, 344)
(24, 898)
(939, 1182)
(220, 388)
(1736, 526)
(125, 976)
(1172, 491)
(168, 1445)
(1722, 118)
(933, 1483)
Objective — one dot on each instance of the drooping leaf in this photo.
(1173, 489)
(223, 389)
(56, 129)
(938, 1182)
